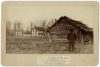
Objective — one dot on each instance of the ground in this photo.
(38, 45)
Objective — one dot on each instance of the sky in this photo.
(35, 14)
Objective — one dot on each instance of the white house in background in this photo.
(37, 31)
(19, 33)
(27, 33)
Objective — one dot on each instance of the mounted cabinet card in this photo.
(49, 33)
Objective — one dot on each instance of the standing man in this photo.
(71, 37)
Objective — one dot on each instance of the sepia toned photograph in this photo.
(63, 29)
(49, 30)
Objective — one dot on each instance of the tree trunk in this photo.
(82, 38)
(50, 37)
(17, 33)
(31, 32)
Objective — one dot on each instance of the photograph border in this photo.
(31, 59)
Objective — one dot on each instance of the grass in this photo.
(38, 45)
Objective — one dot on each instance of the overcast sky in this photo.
(26, 14)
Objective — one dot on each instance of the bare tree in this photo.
(22, 29)
(17, 27)
(44, 24)
(31, 27)
(8, 26)
(50, 23)
(48, 30)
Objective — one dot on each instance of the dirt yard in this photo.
(37, 45)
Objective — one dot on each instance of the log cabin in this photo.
(61, 27)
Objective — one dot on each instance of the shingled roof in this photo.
(77, 24)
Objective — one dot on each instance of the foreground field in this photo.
(37, 45)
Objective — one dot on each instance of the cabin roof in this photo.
(77, 24)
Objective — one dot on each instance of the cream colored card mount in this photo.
(49, 33)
